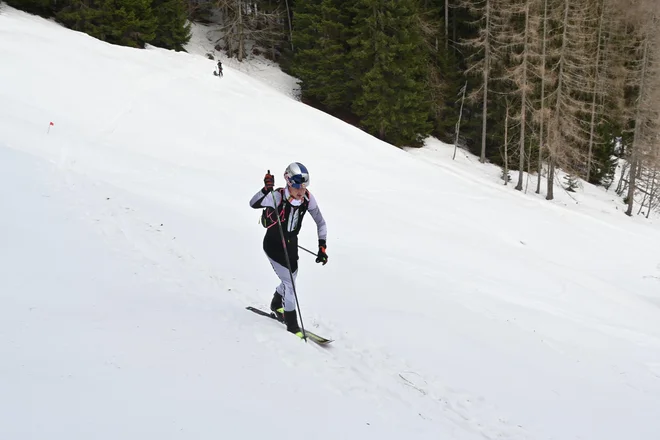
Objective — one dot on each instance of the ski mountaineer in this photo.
(291, 203)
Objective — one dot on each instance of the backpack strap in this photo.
(269, 214)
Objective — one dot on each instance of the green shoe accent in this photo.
(280, 310)
(300, 335)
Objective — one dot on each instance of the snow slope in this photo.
(203, 42)
(461, 309)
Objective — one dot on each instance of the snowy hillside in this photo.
(460, 309)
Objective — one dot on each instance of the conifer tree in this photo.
(130, 22)
(445, 76)
(571, 182)
(515, 33)
(246, 25)
(644, 78)
(545, 75)
(124, 22)
(45, 8)
(321, 52)
(173, 29)
(569, 109)
(480, 61)
(391, 65)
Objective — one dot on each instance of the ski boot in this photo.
(276, 307)
(291, 321)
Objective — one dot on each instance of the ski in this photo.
(310, 335)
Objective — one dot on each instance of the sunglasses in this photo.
(298, 181)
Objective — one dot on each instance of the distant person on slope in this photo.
(219, 68)
(290, 203)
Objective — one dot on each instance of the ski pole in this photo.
(307, 250)
(288, 263)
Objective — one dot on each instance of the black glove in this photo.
(269, 181)
(322, 257)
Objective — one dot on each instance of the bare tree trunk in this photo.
(288, 18)
(506, 145)
(453, 33)
(632, 177)
(486, 72)
(634, 155)
(559, 91)
(551, 179)
(621, 186)
(484, 48)
(653, 191)
(458, 124)
(641, 205)
(529, 165)
(596, 89)
(241, 32)
(242, 23)
(446, 25)
(566, 128)
(523, 103)
(543, 73)
(591, 138)
(540, 164)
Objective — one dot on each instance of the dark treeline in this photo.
(549, 84)
(133, 23)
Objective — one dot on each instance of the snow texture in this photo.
(460, 308)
